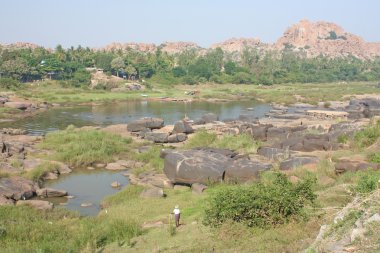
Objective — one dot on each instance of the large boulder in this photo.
(17, 188)
(182, 127)
(50, 193)
(195, 166)
(299, 161)
(242, 170)
(209, 165)
(38, 204)
(18, 105)
(143, 123)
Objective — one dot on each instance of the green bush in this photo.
(368, 136)
(78, 147)
(368, 181)
(260, 204)
(374, 157)
(9, 83)
(343, 138)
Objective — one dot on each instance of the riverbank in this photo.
(334, 146)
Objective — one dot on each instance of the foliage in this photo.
(260, 204)
(9, 83)
(368, 181)
(343, 138)
(41, 170)
(78, 147)
(374, 157)
(60, 231)
(368, 136)
(190, 67)
(242, 142)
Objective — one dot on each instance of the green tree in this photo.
(117, 64)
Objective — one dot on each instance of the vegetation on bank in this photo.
(242, 143)
(81, 147)
(188, 67)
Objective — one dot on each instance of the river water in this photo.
(92, 186)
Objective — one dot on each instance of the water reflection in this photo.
(124, 112)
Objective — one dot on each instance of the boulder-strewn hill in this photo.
(327, 39)
(313, 38)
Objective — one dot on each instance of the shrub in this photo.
(260, 204)
(79, 147)
(368, 136)
(343, 138)
(368, 181)
(9, 83)
(374, 157)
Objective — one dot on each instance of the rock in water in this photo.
(115, 184)
(50, 193)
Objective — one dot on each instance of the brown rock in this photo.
(17, 188)
(50, 193)
(38, 204)
(115, 166)
(115, 184)
(198, 188)
(5, 201)
(152, 193)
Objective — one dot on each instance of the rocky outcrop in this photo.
(17, 188)
(324, 38)
(353, 165)
(238, 44)
(363, 108)
(209, 165)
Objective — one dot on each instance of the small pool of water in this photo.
(86, 187)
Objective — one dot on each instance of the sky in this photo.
(96, 23)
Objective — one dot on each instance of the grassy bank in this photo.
(279, 93)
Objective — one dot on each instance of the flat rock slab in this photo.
(143, 123)
(38, 204)
(299, 161)
(115, 166)
(345, 165)
(152, 193)
(18, 105)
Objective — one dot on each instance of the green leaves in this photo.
(260, 204)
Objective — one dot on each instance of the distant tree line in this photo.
(189, 67)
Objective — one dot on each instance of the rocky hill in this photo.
(328, 39)
(313, 38)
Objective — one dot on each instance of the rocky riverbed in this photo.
(291, 137)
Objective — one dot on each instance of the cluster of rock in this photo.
(7, 101)
(150, 129)
(20, 191)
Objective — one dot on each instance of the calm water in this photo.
(124, 112)
(86, 187)
(93, 186)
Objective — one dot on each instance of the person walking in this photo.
(177, 215)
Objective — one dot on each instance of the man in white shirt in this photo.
(177, 215)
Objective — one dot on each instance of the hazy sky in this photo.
(96, 23)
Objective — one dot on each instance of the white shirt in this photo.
(176, 211)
